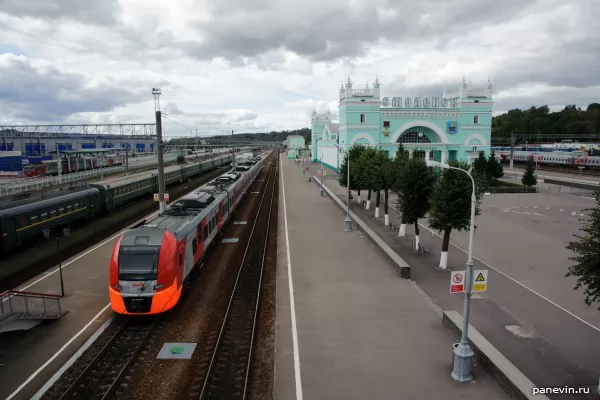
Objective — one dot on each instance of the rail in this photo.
(28, 305)
(228, 372)
(14, 187)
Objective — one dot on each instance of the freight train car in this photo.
(150, 263)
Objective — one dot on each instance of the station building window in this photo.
(476, 119)
(362, 118)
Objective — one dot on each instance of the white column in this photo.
(443, 158)
(427, 153)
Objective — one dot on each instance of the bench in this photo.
(424, 251)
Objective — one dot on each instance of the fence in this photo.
(28, 305)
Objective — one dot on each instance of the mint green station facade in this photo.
(456, 126)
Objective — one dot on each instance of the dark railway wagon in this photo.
(21, 222)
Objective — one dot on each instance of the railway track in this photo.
(98, 379)
(226, 370)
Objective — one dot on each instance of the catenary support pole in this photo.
(161, 165)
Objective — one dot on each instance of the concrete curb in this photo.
(397, 262)
(511, 380)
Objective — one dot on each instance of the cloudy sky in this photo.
(261, 65)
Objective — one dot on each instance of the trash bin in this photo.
(310, 178)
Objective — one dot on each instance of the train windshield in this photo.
(138, 263)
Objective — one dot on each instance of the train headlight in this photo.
(159, 286)
(118, 287)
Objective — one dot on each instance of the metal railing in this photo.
(28, 305)
(17, 186)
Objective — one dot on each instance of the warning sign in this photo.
(457, 282)
(480, 280)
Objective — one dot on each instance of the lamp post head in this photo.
(436, 164)
(46, 233)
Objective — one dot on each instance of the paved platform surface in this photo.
(362, 331)
(550, 345)
(87, 307)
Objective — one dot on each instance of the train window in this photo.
(205, 232)
(61, 211)
(199, 233)
(194, 246)
(180, 259)
(52, 213)
(69, 208)
(34, 219)
(76, 205)
(44, 216)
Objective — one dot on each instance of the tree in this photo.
(450, 204)
(378, 179)
(366, 178)
(494, 169)
(355, 152)
(389, 178)
(402, 156)
(529, 178)
(587, 259)
(416, 184)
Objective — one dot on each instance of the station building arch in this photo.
(364, 139)
(441, 135)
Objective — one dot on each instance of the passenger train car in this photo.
(150, 263)
(572, 159)
(25, 219)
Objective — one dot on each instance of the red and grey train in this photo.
(150, 263)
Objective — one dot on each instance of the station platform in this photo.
(548, 343)
(348, 327)
(29, 358)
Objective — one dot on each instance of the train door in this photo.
(221, 213)
(189, 254)
(9, 234)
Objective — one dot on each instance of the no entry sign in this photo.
(457, 281)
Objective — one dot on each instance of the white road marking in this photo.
(292, 301)
(518, 283)
(534, 206)
(547, 208)
(581, 215)
(510, 208)
(516, 212)
(74, 358)
(561, 210)
(525, 212)
(40, 369)
(541, 215)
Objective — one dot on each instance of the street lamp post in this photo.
(66, 233)
(462, 366)
(347, 221)
(322, 177)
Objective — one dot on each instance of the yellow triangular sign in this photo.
(480, 278)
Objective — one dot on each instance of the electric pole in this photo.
(159, 142)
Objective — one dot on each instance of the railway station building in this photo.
(456, 126)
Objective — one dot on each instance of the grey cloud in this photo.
(327, 31)
(99, 12)
(45, 95)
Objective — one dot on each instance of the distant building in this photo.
(296, 142)
(456, 126)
